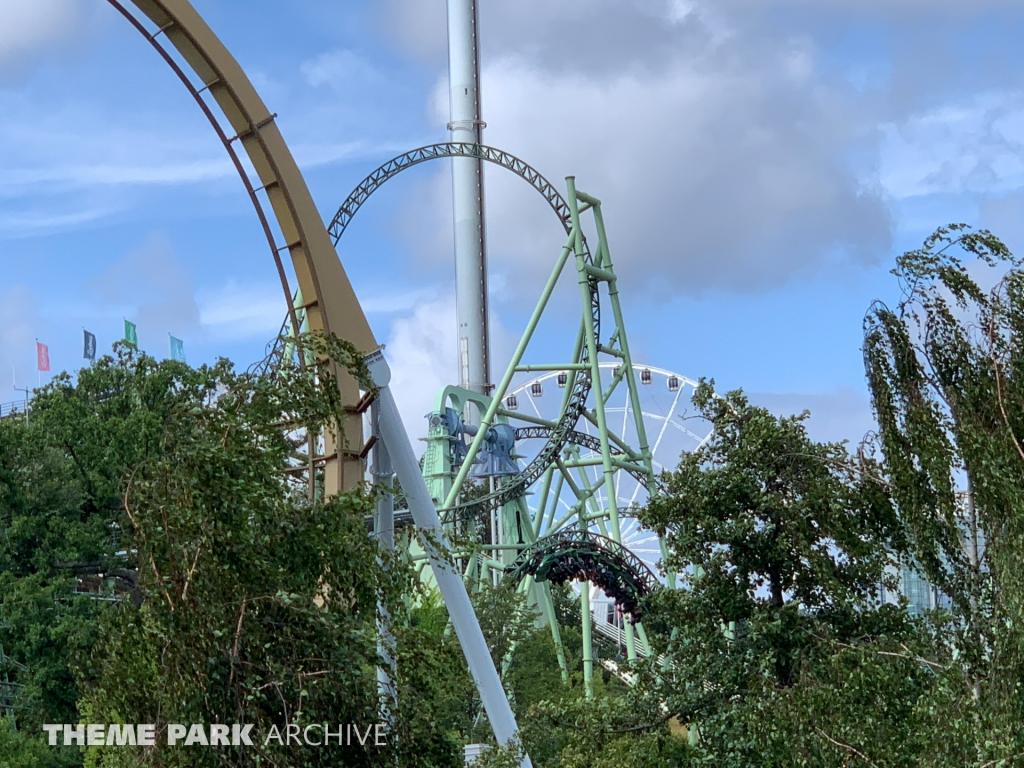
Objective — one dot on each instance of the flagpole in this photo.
(14, 382)
(26, 390)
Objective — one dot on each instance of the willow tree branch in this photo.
(854, 750)
(999, 384)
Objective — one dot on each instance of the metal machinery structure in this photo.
(582, 454)
(292, 226)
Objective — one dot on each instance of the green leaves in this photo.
(767, 515)
(251, 603)
(946, 370)
(784, 543)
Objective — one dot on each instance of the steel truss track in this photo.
(582, 439)
(586, 556)
(396, 165)
(558, 435)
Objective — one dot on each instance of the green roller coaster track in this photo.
(593, 518)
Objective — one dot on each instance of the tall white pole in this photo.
(384, 531)
(468, 196)
(435, 544)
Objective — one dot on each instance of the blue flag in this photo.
(177, 350)
(88, 345)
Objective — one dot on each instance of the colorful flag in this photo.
(177, 350)
(129, 333)
(88, 345)
(42, 357)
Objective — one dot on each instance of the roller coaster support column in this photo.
(468, 197)
(453, 590)
(384, 531)
(604, 259)
(602, 271)
(588, 641)
(517, 357)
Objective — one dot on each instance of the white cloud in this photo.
(30, 223)
(313, 154)
(723, 157)
(421, 352)
(341, 69)
(840, 414)
(240, 312)
(42, 150)
(718, 177)
(156, 290)
(900, 8)
(74, 176)
(386, 303)
(975, 146)
(245, 312)
(27, 25)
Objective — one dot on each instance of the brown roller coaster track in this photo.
(218, 84)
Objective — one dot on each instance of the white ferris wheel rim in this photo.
(639, 540)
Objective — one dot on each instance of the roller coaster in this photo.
(581, 456)
(585, 475)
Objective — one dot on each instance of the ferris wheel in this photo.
(669, 426)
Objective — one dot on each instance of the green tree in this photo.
(58, 512)
(946, 371)
(777, 647)
(250, 603)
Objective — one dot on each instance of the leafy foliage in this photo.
(251, 603)
(778, 642)
(946, 370)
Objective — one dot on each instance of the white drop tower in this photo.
(468, 197)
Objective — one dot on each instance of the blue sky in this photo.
(761, 163)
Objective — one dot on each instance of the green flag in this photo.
(177, 349)
(129, 333)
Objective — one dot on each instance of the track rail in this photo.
(333, 307)
(559, 435)
(396, 165)
(582, 439)
(586, 556)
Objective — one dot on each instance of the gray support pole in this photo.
(435, 544)
(384, 531)
(468, 197)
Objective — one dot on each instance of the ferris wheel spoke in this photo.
(625, 418)
(666, 420)
(700, 440)
(636, 492)
(533, 404)
(665, 423)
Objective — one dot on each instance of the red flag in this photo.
(42, 357)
